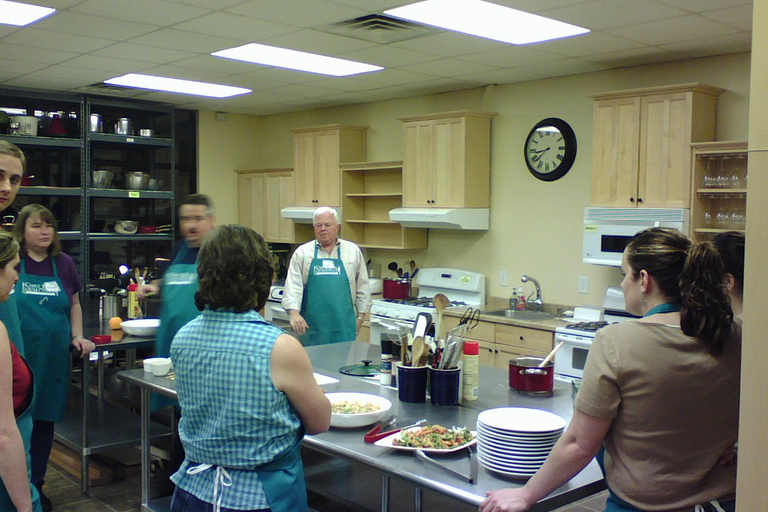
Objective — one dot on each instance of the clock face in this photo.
(550, 149)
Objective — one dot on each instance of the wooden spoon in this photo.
(417, 350)
(549, 357)
(441, 302)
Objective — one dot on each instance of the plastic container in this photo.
(470, 363)
(134, 308)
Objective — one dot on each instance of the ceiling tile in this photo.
(39, 55)
(78, 75)
(242, 28)
(737, 17)
(140, 11)
(93, 26)
(448, 67)
(672, 30)
(187, 41)
(174, 71)
(394, 77)
(20, 67)
(345, 84)
(503, 76)
(449, 44)
(563, 67)
(139, 52)
(318, 42)
(705, 5)
(605, 14)
(511, 56)
(388, 56)
(220, 4)
(734, 43)
(39, 38)
(301, 13)
(633, 57)
(111, 65)
(224, 67)
(587, 44)
(281, 75)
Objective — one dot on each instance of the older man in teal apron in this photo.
(179, 283)
(326, 291)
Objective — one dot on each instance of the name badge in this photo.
(328, 264)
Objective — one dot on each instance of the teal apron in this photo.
(180, 284)
(24, 422)
(282, 480)
(9, 315)
(44, 311)
(327, 303)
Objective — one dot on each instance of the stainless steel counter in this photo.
(348, 444)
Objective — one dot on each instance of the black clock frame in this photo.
(569, 137)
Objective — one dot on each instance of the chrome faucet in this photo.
(536, 304)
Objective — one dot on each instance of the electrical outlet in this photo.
(503, 278)
(583, 284)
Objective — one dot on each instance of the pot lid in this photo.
(361, 370)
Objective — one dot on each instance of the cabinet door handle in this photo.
(631, 199)
(521, 338)
(639, 200)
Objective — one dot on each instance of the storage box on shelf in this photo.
(719, 188)
(446, 160)
(641, 144)
(318, 151)
(371, 190)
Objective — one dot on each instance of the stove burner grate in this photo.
(422, 302)
(587, 326)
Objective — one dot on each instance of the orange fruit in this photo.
(114, 322)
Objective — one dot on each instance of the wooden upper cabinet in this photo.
(642, 144)
(446, 160)
(261, 194)
(317, 153)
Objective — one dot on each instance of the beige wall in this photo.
(535, 226)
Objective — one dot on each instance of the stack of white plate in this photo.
(515, 441)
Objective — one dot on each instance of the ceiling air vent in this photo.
(377, 28)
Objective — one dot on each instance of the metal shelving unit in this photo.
(79, 203)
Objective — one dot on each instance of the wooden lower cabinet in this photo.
(501, 342)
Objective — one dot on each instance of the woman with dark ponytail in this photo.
(731, 247)
(660, 394)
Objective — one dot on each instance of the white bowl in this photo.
(359, 419)
(141, 327)
(158, 365)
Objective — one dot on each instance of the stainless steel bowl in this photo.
(136, 180)
(102, 179)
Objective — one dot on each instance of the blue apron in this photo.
(180, 284)
(327, 303)
(9, 315)
(24, 422)
(44, 310)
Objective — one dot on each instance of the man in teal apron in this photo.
(326, 291)
(13, 163)
(179, 283)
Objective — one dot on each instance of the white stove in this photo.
(578, 335)
(462, 287)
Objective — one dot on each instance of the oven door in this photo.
(378, 328)
(572, 356)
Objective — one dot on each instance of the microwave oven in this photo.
(607, 231)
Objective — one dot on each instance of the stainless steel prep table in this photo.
(348, 444)
(102, 426)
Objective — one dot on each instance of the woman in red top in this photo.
(16, 492)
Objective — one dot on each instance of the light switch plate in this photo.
(503, 278)
(583, 284)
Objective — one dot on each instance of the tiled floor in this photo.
(64, 491)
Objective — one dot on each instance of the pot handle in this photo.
(533, 371)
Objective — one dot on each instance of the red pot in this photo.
(397, 288)
(525, 375)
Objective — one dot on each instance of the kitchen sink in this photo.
(520, 314)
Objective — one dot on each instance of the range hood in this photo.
(302, 214)
(442, 218)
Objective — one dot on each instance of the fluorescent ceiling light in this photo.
(484, 19)
(293, 59)
(15, 13)
(161, 83)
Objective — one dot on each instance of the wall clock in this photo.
(550, 149)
